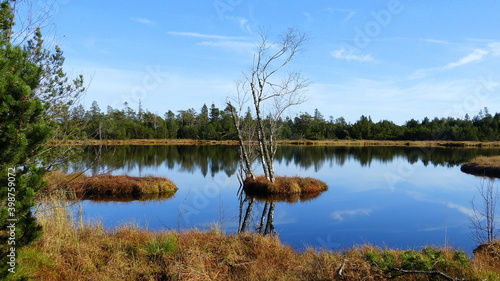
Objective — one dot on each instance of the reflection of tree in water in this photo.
(264, 225)
(483, 218)
(208, 159)
(211, 160)
(98, 198)
(316, 156)
(246, 215)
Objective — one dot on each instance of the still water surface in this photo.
(396, 197)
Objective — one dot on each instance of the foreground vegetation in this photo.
(108, 186)
(71, 250)
(488, 166)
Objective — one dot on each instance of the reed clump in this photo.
(108, 186)
(70, 249)
(283, 185)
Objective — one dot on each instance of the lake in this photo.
(399, 197)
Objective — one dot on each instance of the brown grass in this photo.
(488, 161)
(106, 187)
(488, 256)
(483, 166)
(462, 144)
(70, 250)
(283, 185)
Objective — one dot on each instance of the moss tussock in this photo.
(107, 187)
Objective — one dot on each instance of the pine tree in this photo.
(24, 129)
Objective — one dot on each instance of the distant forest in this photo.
(212, 123)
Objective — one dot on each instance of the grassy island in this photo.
(283, 185)
(488, 166)
(106, 187)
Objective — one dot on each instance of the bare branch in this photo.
(271, 94)
(483, 223)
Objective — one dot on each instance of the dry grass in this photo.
(487, 256)
(107, 186)
(284, 185)
(463, 144)
(70, 250)
(487, 161)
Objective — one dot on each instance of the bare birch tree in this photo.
(483, 221)
(271, 93)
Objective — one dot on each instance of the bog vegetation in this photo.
(285, 185)
(72, 250)
(79, 185)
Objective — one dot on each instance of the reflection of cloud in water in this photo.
(282, 217)
(341, 215)
(460, 208)
(431, 229)
(425, 198)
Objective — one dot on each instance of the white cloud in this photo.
(344, 55)
(200, 35)
(495, 48)
(235, 45)
(476, 55)
(142, 20)
(430, 40)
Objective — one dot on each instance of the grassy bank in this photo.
(70, 250)
(105, 187)
(488, 166)
(462, 144)
(283, 185)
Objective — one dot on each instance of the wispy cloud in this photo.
(206, 36)
(240, 45)
(477, 55)
(309, 17)
(348, 13)
(343, 54)
(142, 20)
(430, 40)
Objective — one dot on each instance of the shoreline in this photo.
(70, 249)
(355, 143)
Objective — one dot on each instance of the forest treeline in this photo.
(213, 123)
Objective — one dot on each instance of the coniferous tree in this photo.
(23, 132)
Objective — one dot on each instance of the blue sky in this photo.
(390, 59)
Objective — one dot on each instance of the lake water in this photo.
(396, 197)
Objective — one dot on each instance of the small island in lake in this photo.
(283, 185)
(488, 166)
(110, 186)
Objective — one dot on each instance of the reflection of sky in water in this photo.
(391, 203)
